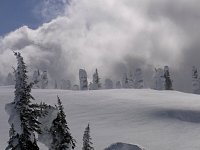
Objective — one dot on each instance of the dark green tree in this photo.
(61, 137)
(25, 111)
(168, 81)
(87, 144)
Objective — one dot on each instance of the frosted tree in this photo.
(131, 80)
(23, 114)
(118, 85)
(10, 80)
(125, 81)
(83, 79)
(158, 79)
(66, 84)
(108, 84)
(168, 81)
(62, 139)
(13, 139)
(75, 87)
(96, 81)
(87, 144)
(36, 78)
(138, 79)
(90, 86)
(195, 81)
(44, 80)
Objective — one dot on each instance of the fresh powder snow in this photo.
(155, 120)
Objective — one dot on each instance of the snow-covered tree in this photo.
(44, 80)
(158, 79)
(75, 87)
(138, 79)
(83, 79)
(13, 139)
(90, 86)
(62, 139)
(87, 143)
(10, 80)
(66, 84)
(108, 84)
(125, 80)
(118, 85)
(195, 81)
(131, 80)
(96, 81)
(36, 79)
(168, 81)
(23, 114)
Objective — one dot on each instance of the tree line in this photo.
(24, 118)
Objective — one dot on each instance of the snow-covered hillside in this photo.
(155, 120)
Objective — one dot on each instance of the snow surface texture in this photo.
(123, 146)
(155, 120)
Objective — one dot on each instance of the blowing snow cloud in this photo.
(113, 36)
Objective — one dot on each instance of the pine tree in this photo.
(138, 79)
(83, 79)
(44, 80)
(195, 81)
(62, 139)
(24, 137)
(158, 79)
(168, 81)
(87, 144)
(96, 81)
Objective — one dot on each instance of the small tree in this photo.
(168, 81)
(62, 139)
(44, 80)
(195, 81)
(87, 144)
(138, 79)
(158, 79)
(23, 114)
(125, 81)
(96, 81)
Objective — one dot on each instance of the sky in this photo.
(113, 36)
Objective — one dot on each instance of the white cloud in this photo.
(95, 34)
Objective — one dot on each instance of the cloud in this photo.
(113, 36)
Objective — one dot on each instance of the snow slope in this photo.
(155, 120)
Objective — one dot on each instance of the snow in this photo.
(123, 146)
(155, 120)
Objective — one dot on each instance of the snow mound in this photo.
(123, 146)
(178, 114)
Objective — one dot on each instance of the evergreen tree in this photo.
(10, 80)
(158, 79)
(22, 133)
(168, 81)
(44, 80)
(83, 79)
(195, 81)
(138, 79)
(125, 81)
(87, 144)
(62, 139)
(118, 85)
(130, 80)
(96, 81)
